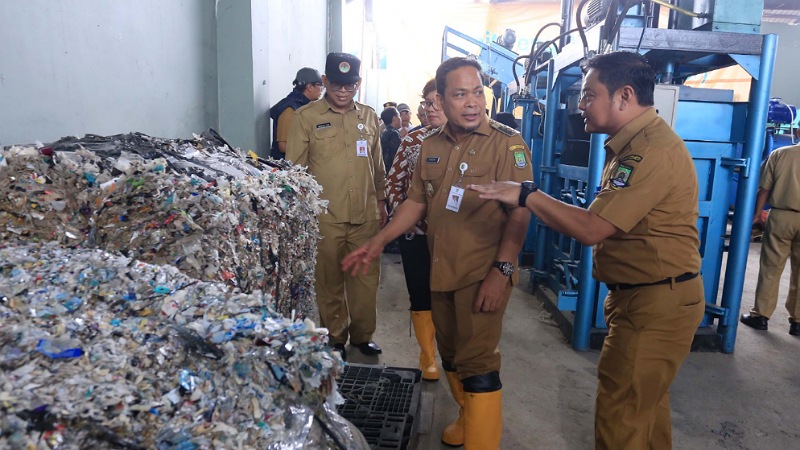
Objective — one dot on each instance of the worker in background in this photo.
(390, 142)
(473, 243)
(414, 245)
(307, 88)
(405, 118)
(337, 139)
(390, 138)
(422, 117)
(779, 186)
(642, 225)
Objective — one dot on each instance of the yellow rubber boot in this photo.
(453, 434)
(483, 420)
(423, 329)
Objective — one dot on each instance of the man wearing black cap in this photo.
(337, 139)
(307, 87)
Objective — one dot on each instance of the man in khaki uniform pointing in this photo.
(646, 249)
(337, 138)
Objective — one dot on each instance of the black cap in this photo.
(305, 76)
(342, 68)
(507, 119)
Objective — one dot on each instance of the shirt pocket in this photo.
(478, 174)
(325, 144)
(432, 175)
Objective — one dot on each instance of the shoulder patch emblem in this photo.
(505, 129)
(430, 133)
(520, 161)
(622, 176)
(636, 158)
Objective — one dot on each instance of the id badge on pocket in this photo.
(454, 198)
(361, 148)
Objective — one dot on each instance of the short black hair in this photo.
(618, 69)
(388, 114)
(451, 65)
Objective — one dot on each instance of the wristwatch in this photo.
(527, 188)
(506, 268)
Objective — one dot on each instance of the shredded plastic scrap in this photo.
(103, 351)
(197, 204)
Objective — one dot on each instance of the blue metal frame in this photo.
(566, 267)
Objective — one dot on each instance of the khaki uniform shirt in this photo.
(325, 141)
(780, 175)
(649, 191)
(464, 244)
(284, 125)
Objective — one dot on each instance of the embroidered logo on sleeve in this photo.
(621, 177)
(520, 160)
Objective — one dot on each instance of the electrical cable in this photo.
(581, 28)
(532, 62)
(614, 30)
(514, 70)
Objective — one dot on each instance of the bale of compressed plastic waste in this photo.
(104, 351)
(196, 204)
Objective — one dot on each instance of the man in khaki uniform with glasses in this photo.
(337, 139)
(643, 225)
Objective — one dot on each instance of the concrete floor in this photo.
(746, 400)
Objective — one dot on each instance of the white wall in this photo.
(297, 38)
(70, 67)
(787, 64)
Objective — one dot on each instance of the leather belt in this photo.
(679, 279)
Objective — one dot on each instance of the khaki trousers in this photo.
(781, 240)
(650, 332)
(347, 304)
(469, 341)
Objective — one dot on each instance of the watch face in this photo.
(506, 268)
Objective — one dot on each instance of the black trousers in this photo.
(417, 267)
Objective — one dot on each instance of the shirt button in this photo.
(457, 148)
(435, 260)
(470, 171)
(449, 169)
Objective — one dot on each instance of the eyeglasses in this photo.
(347, 87)
(428, 104)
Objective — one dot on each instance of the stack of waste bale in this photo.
(158, 293)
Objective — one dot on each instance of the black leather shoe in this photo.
(368, 348)
(340, 348)
(794, 328)
(755, 322)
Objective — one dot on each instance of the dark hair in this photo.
(618, 69)
(449, 66)
(388, 114)
(300, 88)
(430, 86)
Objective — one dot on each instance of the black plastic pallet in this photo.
(382, 402)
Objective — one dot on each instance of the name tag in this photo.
(323, 125)
(454, 199)
(432, 160)
(361, 148)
